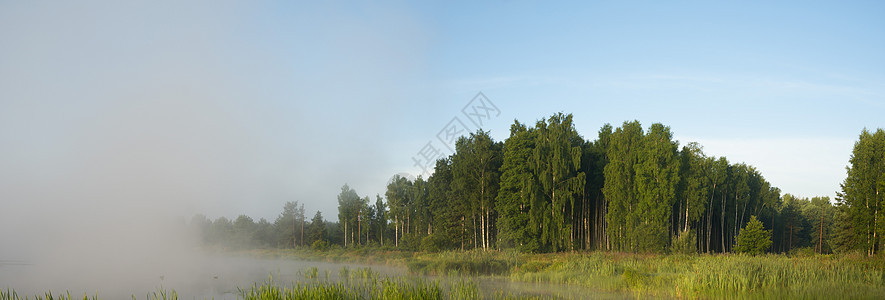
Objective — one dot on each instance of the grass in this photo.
(714, 276)
(639, 275)
(652, 275)
(10, 294)
(366, 255)
(459, 263)
(359, 283)
(364, 283)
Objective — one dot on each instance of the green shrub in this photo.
(432, 243)
(320, 245)
(802, 252)
(753, 238)
(685, 243)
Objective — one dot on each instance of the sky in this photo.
(119, 114)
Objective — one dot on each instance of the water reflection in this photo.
(219, 277)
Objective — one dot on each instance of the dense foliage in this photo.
(863, 194)
(753, 238)
(547, 189)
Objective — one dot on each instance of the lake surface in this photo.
(219, 276)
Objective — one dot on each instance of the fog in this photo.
(119, 121)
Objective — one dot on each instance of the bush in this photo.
(685, 243)
(320, 245)
(802, 252)
(433, 243)
(753, 238)
(410, 242)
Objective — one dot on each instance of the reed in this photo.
(716, 276)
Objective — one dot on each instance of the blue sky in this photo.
(229, 108)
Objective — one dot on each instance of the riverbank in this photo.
(506, 274)
(642, 275)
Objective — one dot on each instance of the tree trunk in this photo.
(553, 210)
(710, 217)
(686, 216)
(722, 223)
(820, 241)
(791, 237)
(475, 234)
(482, 206)
(462, 233)
(488, 230)
(875, 241)
(482, 223)
(744, 213)
(735, 228)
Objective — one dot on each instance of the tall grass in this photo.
(717, 276)
(689, 276)
(641, 275)
(11, 294)
(474, 262)
(359, 283)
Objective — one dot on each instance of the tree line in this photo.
(547, 189)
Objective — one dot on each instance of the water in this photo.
(219, 276)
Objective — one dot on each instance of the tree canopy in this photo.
(545, 189)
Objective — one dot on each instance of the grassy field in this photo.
(713, 276)
(651, 275)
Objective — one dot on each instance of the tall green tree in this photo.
(557, 167)
(399, 203)
(657, 175)
(475, 169)
(619, 189)
(379, 224)
(514, 201)
(819, 213)
(594, 161)
(348, 213)
(287, 224)
(317, 228)
(243, 232)
(863, 191)
(792, 223)
(422, 215)
(447, 226)
(694, 187)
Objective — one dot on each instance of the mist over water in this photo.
(120, 121)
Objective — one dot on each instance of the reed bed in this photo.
(460, 263)
(715, 276)
(639, 275)
(358, 283)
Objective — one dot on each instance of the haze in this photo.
(119, 119)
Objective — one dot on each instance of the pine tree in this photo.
(753, 238)
(317, 228)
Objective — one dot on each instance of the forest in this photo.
(548, 189)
